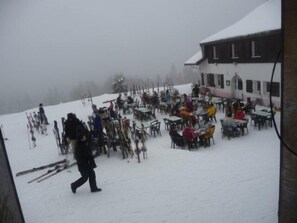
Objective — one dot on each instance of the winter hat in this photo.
(70, 116)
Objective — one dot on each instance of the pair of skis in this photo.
(40, 167)
(57, 168)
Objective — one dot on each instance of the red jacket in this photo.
(239, 114)
(190, 133)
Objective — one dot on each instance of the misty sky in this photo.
(44, 42)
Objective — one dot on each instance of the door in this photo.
(237, 87)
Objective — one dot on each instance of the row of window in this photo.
(234, 51)
(252, 86)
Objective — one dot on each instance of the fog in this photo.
(55, 44)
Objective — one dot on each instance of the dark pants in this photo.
(85, 175)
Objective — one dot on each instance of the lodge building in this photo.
(238, 62)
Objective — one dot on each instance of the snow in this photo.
(266, 17)
(194, 59)
(234, 180)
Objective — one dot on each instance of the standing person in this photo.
(196, 91)
(188, 103)
(248, 106)
(236, 105)
(120, 102)
(85, 162)
(43, 118)
(71, 125)
(167, 97)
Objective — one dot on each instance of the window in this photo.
(249, 86)
(253, 86)
(234, 51)
(210, 80)
(257, 87)
(214, 53)
(275, 91)
(239, 84)
(220, 80)
(255, 49)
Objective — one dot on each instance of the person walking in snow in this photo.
(85, 161)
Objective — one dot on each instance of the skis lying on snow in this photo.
(41, 167)
(54, 172)
(48, 172)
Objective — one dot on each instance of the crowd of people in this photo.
(194, 133)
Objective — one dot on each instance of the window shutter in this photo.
(275, 89)
(222, 80)
(202, 79)
(249, 86)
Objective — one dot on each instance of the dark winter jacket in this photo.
(196, 91)
(176, 137)
(70, 127)
(41, 110)
(83, 155)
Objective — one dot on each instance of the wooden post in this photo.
(288, 164)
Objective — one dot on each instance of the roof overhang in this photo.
(195, 60)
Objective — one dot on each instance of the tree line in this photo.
(54, 95)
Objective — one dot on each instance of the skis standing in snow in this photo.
(30, 131)
(62, 145)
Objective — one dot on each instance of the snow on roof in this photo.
(194, 59)
(266, 17)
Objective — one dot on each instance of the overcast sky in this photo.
(43, 42)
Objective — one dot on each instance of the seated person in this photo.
(190, 134)
(183, 112)
(239, 114)
(211, 111)
(175, 109)
(204, 123)
(205, 127)
(231, 123)
(203, 139)
(175, 136)
(130, 100)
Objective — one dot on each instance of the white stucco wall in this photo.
(259, 71)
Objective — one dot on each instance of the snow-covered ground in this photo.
(232, 181)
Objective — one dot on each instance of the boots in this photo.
(73, 189)
(96, 190)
